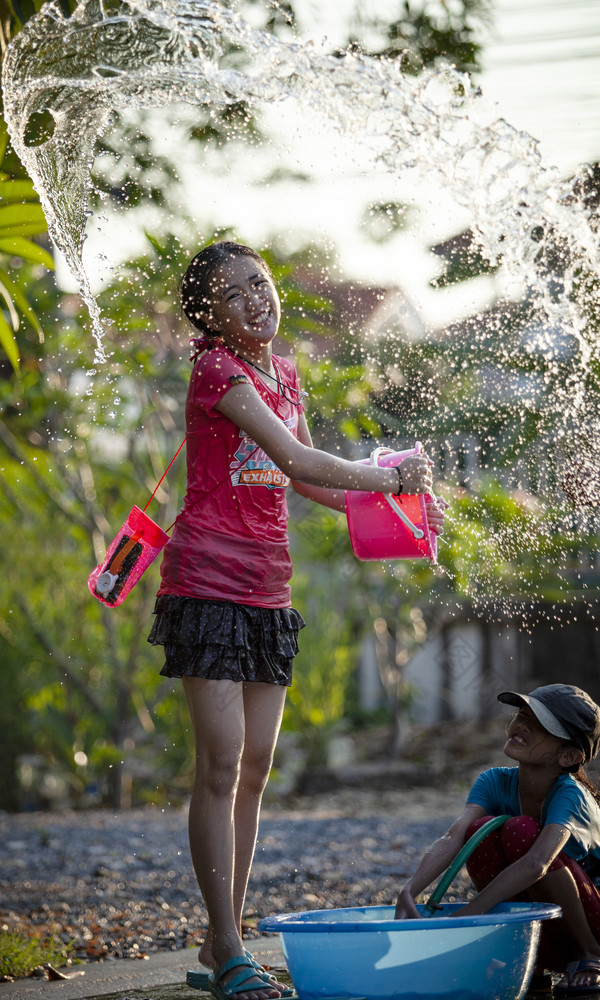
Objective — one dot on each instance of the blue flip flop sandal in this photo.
(200, 980)
(286, 994)
(242, 983)
(584, 965)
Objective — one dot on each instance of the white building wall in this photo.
(470, 691)
(465, 644)
(424, 672)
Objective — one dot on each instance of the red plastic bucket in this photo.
(383, 526)
(130, 553)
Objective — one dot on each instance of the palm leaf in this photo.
(8, 343)
(20, 300)
(20, 247)
(3, 138)
(22, 220)
(17, 191)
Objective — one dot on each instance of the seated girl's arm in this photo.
(300, 461)
(522, 873)
(435, 860)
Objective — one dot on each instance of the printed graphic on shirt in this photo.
(251, 466)
(237, 380)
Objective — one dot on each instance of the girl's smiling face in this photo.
(244, 306)
(528, 742)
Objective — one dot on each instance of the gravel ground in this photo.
(122, 885)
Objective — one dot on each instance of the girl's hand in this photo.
(436, 512)
(470, 908)
(416, 474)
(405, 907)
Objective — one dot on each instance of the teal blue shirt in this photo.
(568, 803)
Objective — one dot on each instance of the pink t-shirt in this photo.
(230, 541)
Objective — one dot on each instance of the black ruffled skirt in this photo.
(219, 640)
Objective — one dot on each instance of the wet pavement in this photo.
(121, 886)
(160, 977)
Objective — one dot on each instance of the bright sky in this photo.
(542, 67)
(541, 73)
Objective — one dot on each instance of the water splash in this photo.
(116, 54)
(110, 55)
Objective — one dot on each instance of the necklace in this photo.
(521, 809)
(283, 387)
(262, 371)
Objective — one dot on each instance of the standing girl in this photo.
(542, 852)
(223, 609)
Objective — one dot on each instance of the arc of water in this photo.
(116, 54)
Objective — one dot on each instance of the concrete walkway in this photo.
(125, 975)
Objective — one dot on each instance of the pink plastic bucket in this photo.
(383, 526)
(137, 545)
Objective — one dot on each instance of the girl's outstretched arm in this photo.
(522, 873)
(435, 860)
(303, 463)
(334, 499)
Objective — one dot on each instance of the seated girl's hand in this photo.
(406, 908)
(436, 512)
(473, 906)
(415, 471)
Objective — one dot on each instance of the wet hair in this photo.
(195, 290)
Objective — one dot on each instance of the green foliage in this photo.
(86, 683)
(89, 683)
(15, 13)
(383, 219)
(425, 33)
(328, 595)
(21, 216)
(525, 550)
(17, 735)
(20, 954)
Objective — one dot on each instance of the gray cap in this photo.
(564, 711)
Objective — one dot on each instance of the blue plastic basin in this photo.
(364, 952)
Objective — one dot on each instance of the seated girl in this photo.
(552, 840)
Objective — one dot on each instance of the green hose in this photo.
(452, 871)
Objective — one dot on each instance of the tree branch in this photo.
(96, 705)
(17, 452)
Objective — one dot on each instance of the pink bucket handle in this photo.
(374, 456)
(374, 460)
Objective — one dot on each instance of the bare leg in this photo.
(217, 713)
(560, 887)
(263, 711)
(228, 720)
